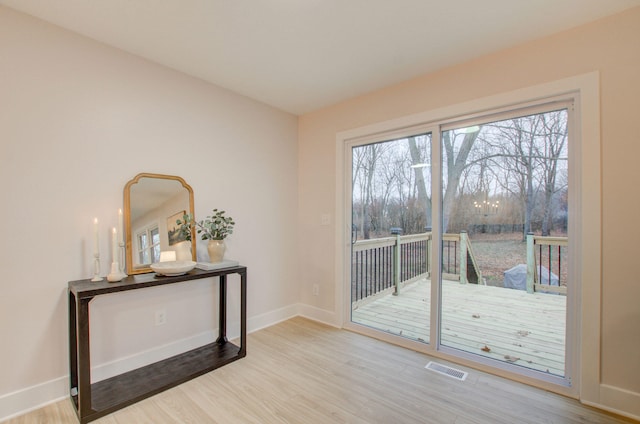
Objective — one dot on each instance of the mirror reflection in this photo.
(152, 204)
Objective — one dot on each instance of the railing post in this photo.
(428, 251)
(530, 264)
(463, 257)
(397, 266)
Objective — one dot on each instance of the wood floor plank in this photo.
(300, 371)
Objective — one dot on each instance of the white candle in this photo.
(168, 256)
(96, 243)
(120, 228)
(114, 245)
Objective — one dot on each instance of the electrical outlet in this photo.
(315, 289)
(325, 219)
(161, 316)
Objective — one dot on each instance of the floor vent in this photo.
(448, 371)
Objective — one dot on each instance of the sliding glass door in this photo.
(460, 238)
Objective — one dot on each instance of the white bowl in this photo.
(173, 268)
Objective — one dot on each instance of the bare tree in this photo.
(419, 157)
(553, 150)
(520, 158)
(455, 158)
(365, 159)
(515, 139)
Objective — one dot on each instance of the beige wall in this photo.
(609, 46)
(77, 121)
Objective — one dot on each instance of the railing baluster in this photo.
(549, 280)
(413, 260)
(369, 273)
(455, 257)
(404, 261)
(362, 276)
(378, 270)
(386, 269)
(559, 268)
(374, 271)
(539, 263)
(415, 251)
(361, 263)
(448, 256)
(389, 267)
(358, 274)
(383, 267)
(360, 267)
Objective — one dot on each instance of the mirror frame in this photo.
(127, 218)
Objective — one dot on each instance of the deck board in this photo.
(514, 326)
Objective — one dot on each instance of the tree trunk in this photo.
(423, 197)
(455, 167)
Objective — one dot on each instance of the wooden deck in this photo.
(499, 323)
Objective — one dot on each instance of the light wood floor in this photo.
(300, 371)
(504, 324)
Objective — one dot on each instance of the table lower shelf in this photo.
(125, 389)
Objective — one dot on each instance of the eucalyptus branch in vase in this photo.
(214, 228)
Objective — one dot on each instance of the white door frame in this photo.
(585, 218)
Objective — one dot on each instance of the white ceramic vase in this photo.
(216, 249)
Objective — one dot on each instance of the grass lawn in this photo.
(496, 253)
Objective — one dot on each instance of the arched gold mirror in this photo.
(152, 204)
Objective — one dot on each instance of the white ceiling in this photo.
(301, 55)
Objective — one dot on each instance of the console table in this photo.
(95, 400)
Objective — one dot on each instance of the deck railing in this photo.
(384, 265)
(546, 259)
(451, 256)
(372, 267)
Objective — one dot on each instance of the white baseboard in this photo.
(619, 401)
(34, 397)
(320, 315)
(270, 318)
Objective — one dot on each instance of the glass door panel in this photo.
(504, 250)
(391, 236)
